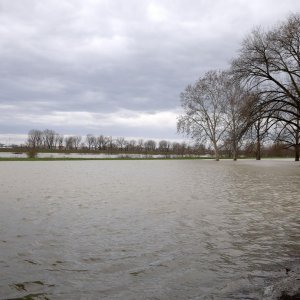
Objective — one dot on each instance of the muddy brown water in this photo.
(193, 229)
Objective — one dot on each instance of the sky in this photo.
(115, 67)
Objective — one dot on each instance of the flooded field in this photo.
(192, 229)
(88, 155)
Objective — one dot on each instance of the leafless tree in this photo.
(120, 142)
(90, 141)
(204, 105)
(258, 133)
(271, 61)
(49, 138)
(69, 143)
(102, 142)
(132, 145)
(35, 138)
(179, 148)
(76, 141)
(239, 117)
(140, 145)
(150, 145)
(258, 122)
(60, 141)
(289, 136)
(164, 146)
(72, 142)
(110, 144)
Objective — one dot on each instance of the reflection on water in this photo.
(147, 229)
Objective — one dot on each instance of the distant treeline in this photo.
(49, 140)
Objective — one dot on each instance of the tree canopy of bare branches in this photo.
(269, 62)
(204, 105)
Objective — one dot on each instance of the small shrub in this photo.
(32, 153)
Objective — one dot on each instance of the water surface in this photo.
(192, 229)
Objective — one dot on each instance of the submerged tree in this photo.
(35, 138)
(90, 141)
(288, 135)
(204, 105)
(258, 133)
(271, 61)
(238, 114)
(258, 122)
(49, 138)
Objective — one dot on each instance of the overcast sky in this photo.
(115, 67)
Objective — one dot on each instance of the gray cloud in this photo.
(115, 67)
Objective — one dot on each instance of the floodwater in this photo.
(88, 155)
(192, 229)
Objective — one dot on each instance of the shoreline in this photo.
(105, 158)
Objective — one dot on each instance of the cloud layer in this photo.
(115, 67)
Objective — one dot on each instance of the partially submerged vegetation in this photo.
(51, 157)
(170, 150)
(93, 158)
(257, 98)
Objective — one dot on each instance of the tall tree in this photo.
(49, 138)
(271, 61)
(35, 138)
(204, 105)
(90, 141)
(238, 114)
(76, 141)
(257, 122)
(289, 135)
(150, 145)
(102, 142)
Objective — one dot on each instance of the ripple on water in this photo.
(147, 229)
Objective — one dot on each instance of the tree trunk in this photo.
(217, 156)
(297, 152)
(297, 142)
(258, 148)
(234, 156)
(234, 152)
(258, 156)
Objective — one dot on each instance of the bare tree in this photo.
(164, 146)
(204, 105)
(76, 141)
(121, 142)
(140, 145)
(178, 148)
(60, 141)
(271, 61)
(49, 138)
(132, 145)
(239, 116)
(69, 142)
(110, 144)
(288, 135)
(35, 138)
(259, 132)
(102, 142)
(90, 141)
(150, 145)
